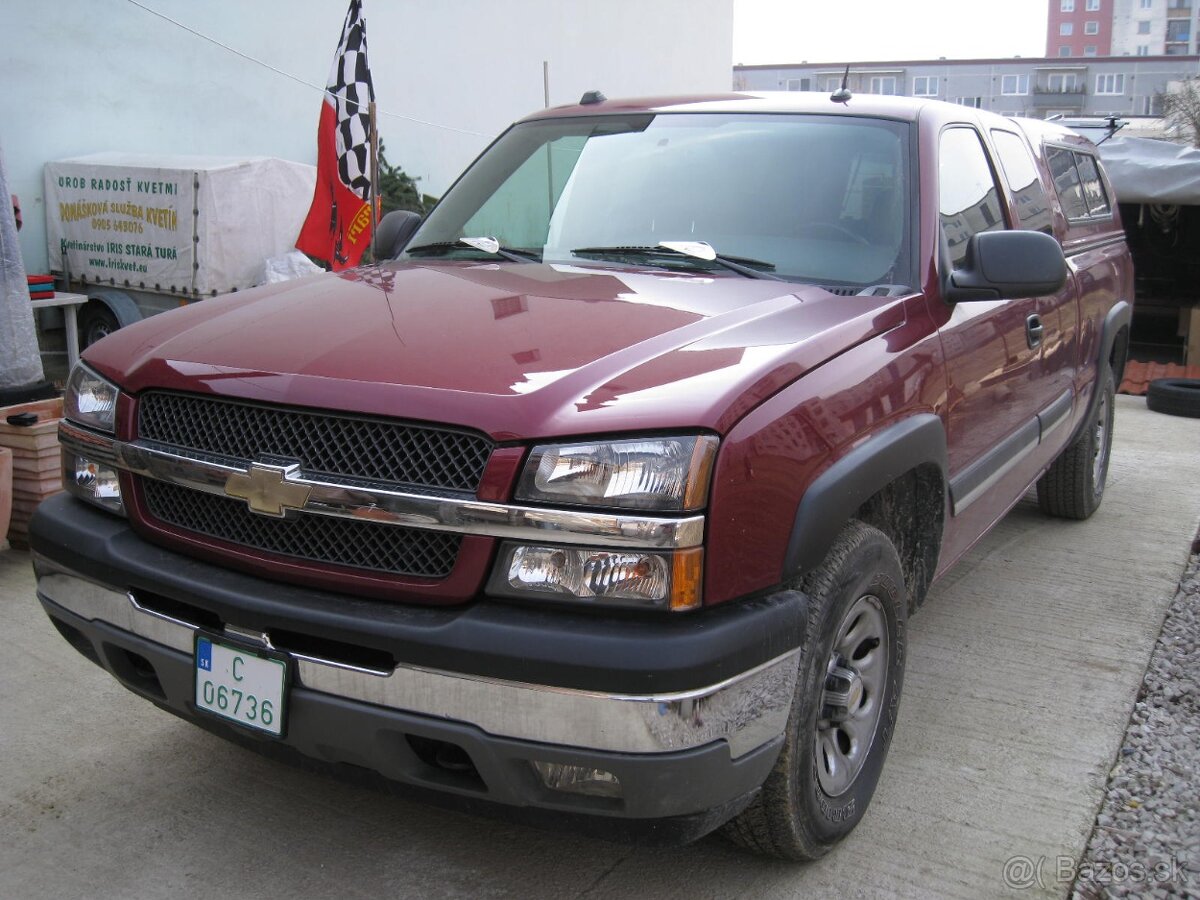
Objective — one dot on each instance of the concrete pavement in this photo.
(1023, 667)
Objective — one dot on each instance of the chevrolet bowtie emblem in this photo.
(267, 490)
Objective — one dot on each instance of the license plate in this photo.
(246, 686)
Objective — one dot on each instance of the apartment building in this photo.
(1039, 88)
(1081, 27)
(1122, 28)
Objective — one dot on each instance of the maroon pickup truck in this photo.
(605, 502)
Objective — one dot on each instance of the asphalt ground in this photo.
(1023, 667)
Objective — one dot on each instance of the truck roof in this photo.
(905, 109)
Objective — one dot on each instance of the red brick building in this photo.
(1079, 28)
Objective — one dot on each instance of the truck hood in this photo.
(515, 350)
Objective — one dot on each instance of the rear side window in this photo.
(1066, 182)
(1093, 188)
(967, 197)
(1033, 207)
(1077, 181)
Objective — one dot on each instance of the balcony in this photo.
(1058, 91)
(1058, 98)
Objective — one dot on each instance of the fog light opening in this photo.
(453, 758)
(569, 779)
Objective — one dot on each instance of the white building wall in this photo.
(1126, 16)
(1128, 13)
(1124, 28)
(84, 77)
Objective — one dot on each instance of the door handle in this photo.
(1034, 329)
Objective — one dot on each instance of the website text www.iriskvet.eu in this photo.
(117, 265)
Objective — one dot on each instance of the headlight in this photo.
(92, 481)
(90, 400)
(629, 578)
(668, 474)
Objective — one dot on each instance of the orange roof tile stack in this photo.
(1138, 375)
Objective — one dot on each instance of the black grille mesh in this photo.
(322, 539)
(323, 443)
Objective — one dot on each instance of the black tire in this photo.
(96, 322)
(1073, 486)
(1175, 396)
(794, 816)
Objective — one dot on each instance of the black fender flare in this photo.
(838, 492)
(120, 303)
(1120, 316)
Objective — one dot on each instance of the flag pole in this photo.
(375, 198)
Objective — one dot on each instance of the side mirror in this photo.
(1001, 265)
(393, 232)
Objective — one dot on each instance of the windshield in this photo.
(822, 199)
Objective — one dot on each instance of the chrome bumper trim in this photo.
(381, 504)
(747, 710)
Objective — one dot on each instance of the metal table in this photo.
(69, 304)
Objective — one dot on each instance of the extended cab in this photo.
(606, 500)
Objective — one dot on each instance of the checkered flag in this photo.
(351, 89)
(339, 223)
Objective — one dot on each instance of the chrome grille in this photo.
(320, 539)
(322, 442)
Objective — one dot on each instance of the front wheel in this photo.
(844, 710)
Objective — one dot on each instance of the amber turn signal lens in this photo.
(700, 472)
(687, 577)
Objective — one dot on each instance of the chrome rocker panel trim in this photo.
(747, 710)
(383, 505)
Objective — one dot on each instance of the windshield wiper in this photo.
(484, 244)
(750, 268)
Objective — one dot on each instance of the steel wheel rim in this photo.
(1100, 451)
(852, 698)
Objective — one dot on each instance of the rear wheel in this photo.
(1073, 486)
(844, 710)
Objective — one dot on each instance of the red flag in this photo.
(338, 226)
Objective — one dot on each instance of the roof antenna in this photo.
(1114, 125)
(842, 94)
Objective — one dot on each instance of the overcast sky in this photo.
(792, 31)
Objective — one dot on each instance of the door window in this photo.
(968, 200)
(1033, 208)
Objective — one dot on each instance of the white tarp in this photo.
(20, 359)
(195, 225)
(1148, 171)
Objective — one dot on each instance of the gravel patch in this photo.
(1146, 840)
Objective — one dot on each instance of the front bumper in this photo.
(692, 726)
